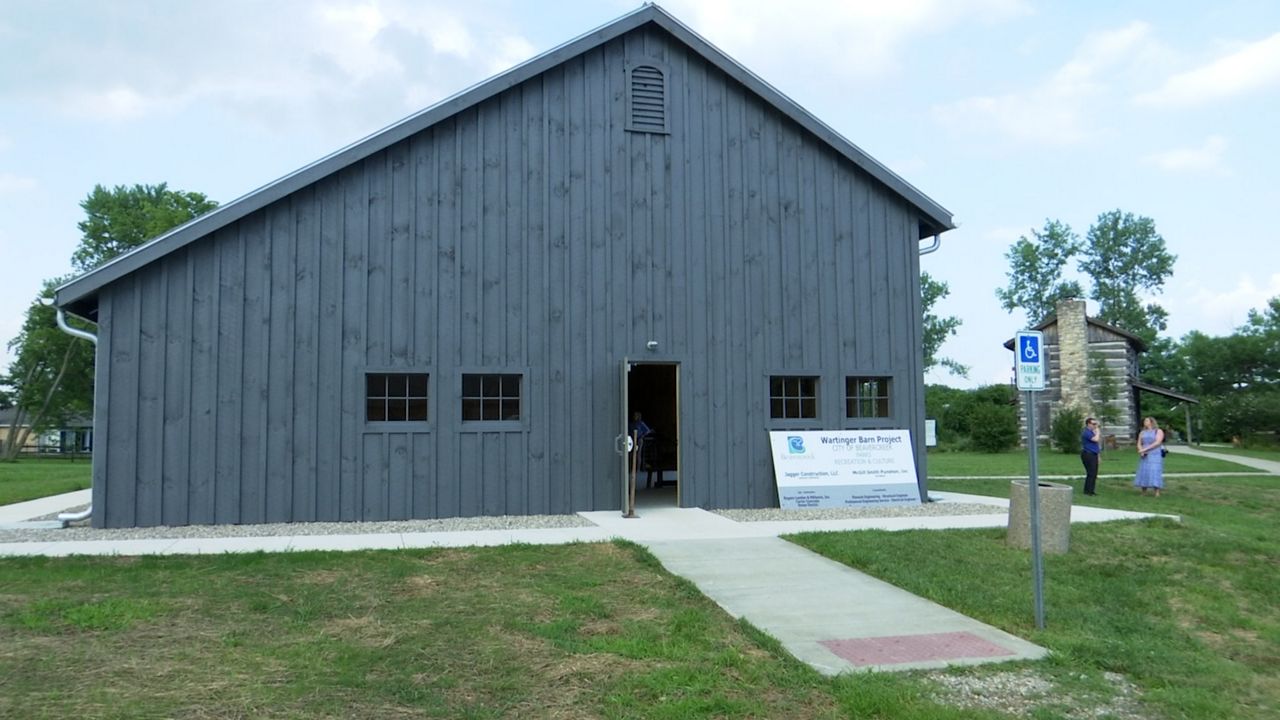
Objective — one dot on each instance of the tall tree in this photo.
(1123, 254)
(121, 219)
(51, 378)
(48, 378)
(937, 329)
(1035, 271)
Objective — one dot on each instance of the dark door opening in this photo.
(653, 391)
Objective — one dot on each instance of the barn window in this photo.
(490, 396)
(646, 99)
(396, 397)
(793, 397)
(866, 397)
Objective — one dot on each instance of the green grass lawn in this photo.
(29, 478)
(1189, 611)
(1052, 462)
(575, 631)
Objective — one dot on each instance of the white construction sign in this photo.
(844, 468)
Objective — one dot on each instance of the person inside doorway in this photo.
(640, 433)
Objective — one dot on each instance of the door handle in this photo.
(620, 441)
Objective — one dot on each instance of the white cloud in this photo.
(1217, 311)
(1206, 158)
(857, 37)
(1250, 68)
(509, 52)
(1058, 111)
(354, 64)
(10, 183)
(116, 103)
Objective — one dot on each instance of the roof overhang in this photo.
(79, 296)
(1166, 392)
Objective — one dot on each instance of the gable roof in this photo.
(80, 295)
(1136, 342)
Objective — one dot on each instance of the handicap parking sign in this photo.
(1029, 366)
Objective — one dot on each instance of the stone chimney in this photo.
(1073, 356)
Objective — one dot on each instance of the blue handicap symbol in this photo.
(1031, 350)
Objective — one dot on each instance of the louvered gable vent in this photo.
(648, 100)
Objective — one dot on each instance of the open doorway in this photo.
(653, 391)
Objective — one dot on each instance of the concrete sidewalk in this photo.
(1257, 463)
(828, 615)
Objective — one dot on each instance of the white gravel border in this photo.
(78, 532)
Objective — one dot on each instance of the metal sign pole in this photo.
(1037, 562)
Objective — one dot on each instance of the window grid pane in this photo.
(793, 397)
(396, 397)
(866, 397)
(490, 396)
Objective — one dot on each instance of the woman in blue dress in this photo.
(1151, 462)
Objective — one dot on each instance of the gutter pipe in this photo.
(937, 243)
(70, 517)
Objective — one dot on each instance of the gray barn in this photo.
(453, 316)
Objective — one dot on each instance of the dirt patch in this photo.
(366, 631)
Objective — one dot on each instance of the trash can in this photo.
(1055, 516)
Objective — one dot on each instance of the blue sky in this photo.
(1007, 112)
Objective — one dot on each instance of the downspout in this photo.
(70, 517)
(937, 243)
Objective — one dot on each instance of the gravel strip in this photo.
(1025, 694)
(934, 509)
(78, 532)
(82, 532)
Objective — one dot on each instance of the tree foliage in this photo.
(1103, 388)
(1123, 255)
(1236, 377)
(1065, 430)
(990, 411)
(119, 220)
(51, 379)
(937, 329)
(1035, 272)
(995, 428)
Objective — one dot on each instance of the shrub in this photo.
(1065, 430)
(995, 428)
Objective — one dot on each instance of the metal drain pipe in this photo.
(70, 517)
(937, 243)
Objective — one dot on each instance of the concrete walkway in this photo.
(1270, 466)
(828, 615)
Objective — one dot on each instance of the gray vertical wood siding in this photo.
(532, 234)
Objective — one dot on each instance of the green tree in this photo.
(937, 329)
(1064, 431)
(119, 220)
(1103, 387)
(1123, 254)
(48, 381)
(990, 411)
(1035, 271)
(1237, 377)
(995, 428)
(51, 378)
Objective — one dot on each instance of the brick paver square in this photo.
(897, 649)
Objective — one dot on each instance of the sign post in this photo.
(1030, 371)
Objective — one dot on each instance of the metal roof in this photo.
(1148, 387)
(79, 295)
(1138, 343)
